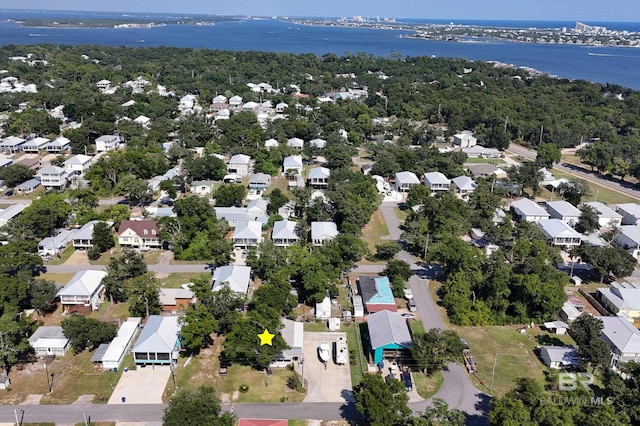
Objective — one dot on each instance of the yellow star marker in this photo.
(266, 338)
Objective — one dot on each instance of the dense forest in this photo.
(492, 101)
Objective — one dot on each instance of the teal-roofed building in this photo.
(388, 331)
(376, 294)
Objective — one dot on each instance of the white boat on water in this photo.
(324, 352)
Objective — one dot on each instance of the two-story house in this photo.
(247, 234)
(239, 165)
(84, 293)
(78, 165)
(284, 233)
(436, 181)
(107, 143)
(405, 181)
(53, 177)
(139, 234)
(319, 177)
(323, 232)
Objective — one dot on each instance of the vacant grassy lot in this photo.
(177, 279)
(354, 343)
(494, 161)
(605, 195)
(427, 386)
(374, 231)
(513, 352)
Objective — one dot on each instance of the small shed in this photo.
(556, 327)
(569, 312)
(4, 382)
(323, 309)
(334, 324)
(358, 307)
(559, 357)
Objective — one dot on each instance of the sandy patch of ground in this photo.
(78, 257)
(85, 399)
(32, 399)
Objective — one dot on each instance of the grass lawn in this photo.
(316, 326)
(515, 354)
(175, 280)
(417, 327)
(605, 195)
(402, 214)
(152, 257)
(373, 231)
(354, 342)
(427, 386)
(62, 278)
(494, 161)
(64, 256)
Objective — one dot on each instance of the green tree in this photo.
(102, 237)
(439, 413)
(199, 406)
(129, 265)
(168, 187)
(380, 402)
(435, 349)
(42, 293)
(592, 350)
(230, 195)
(197, 326)
(276, 200)
(42, 217)
(138, 192)
(14, 339)
(223, 304)
(84, 332)
(143, 296)
(15, 174)
(205, 167)
(588, 220)
(607, 260)
(387, 250)
(547, 155)
(398, 272)
(573, 192)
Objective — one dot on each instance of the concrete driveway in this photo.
(332, 384)
(142, 386)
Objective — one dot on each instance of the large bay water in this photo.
(617, 65)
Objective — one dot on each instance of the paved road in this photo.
(457, 391)
(159, 268)
(625, 188)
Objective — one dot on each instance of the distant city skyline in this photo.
(525, 10)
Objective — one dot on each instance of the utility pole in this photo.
(541, 132)
(506, 121)
(493, 372)
(426, 247)
(15, 412)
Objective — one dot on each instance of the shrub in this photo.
(244, 388)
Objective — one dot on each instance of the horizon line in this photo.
(317, 16)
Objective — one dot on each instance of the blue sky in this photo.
(571, 10)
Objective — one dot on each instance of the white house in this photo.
(10, 212)
(202, 187)
(319, 177)
(404, 181)
(292, 165)
(323, 309)
(12, 144)
(259, 181)
(257, 208)
(323, 232)
(34, 145)
(284, 233)
(239, 164)
(235, 102)
(142, 120)
(139, 234)
(159, 341)
(436, 181)
(464, 185)
(53, 177)
(236, 277)
(478, 151)
(247, 234)
(58, 145)
(83, 237)
(281, 107)
(103, 84)
(556, 327)
(622, 338)
(464, 139)
(526, 210)
(628, 238)
(559, 232)
(563, 211)
(607, 217)
(318, 143)
(78, 165)
(559, 357)
(292, 333)
(119, 346)
(107, 143)
(49, 341)
(271, 143)
(233, 215)
(51, 246)
(296, 143)
(84, 293)
(630, 213)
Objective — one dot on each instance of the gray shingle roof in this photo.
(386, 327)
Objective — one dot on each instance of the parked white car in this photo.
(408, 294)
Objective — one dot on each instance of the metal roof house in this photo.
(293, 163)
(318, 143)
(49, 340)
(271, 143)
(622, 338)
(233, 215)
(28, 187)
(323, 232)
(630, 213)
(295, 143)
(240, 165)
(107, 143)
(559, 357)
(376, 294)
(259, 181)
(464, 185)
(54, 245)
(628, 238)
(12, 144)
(10, 212)
(564, 211)
(113, 356)
(237, 277)
(34, 145)
(621, 301)
(607, 217)
(526, 210)
(84, 293)
(319, 177)
(436, 181)
(292, 333)
(159, 341)
(247, 234)
(559, 232)
(388, 331)
(404, 181)
(284, 233)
